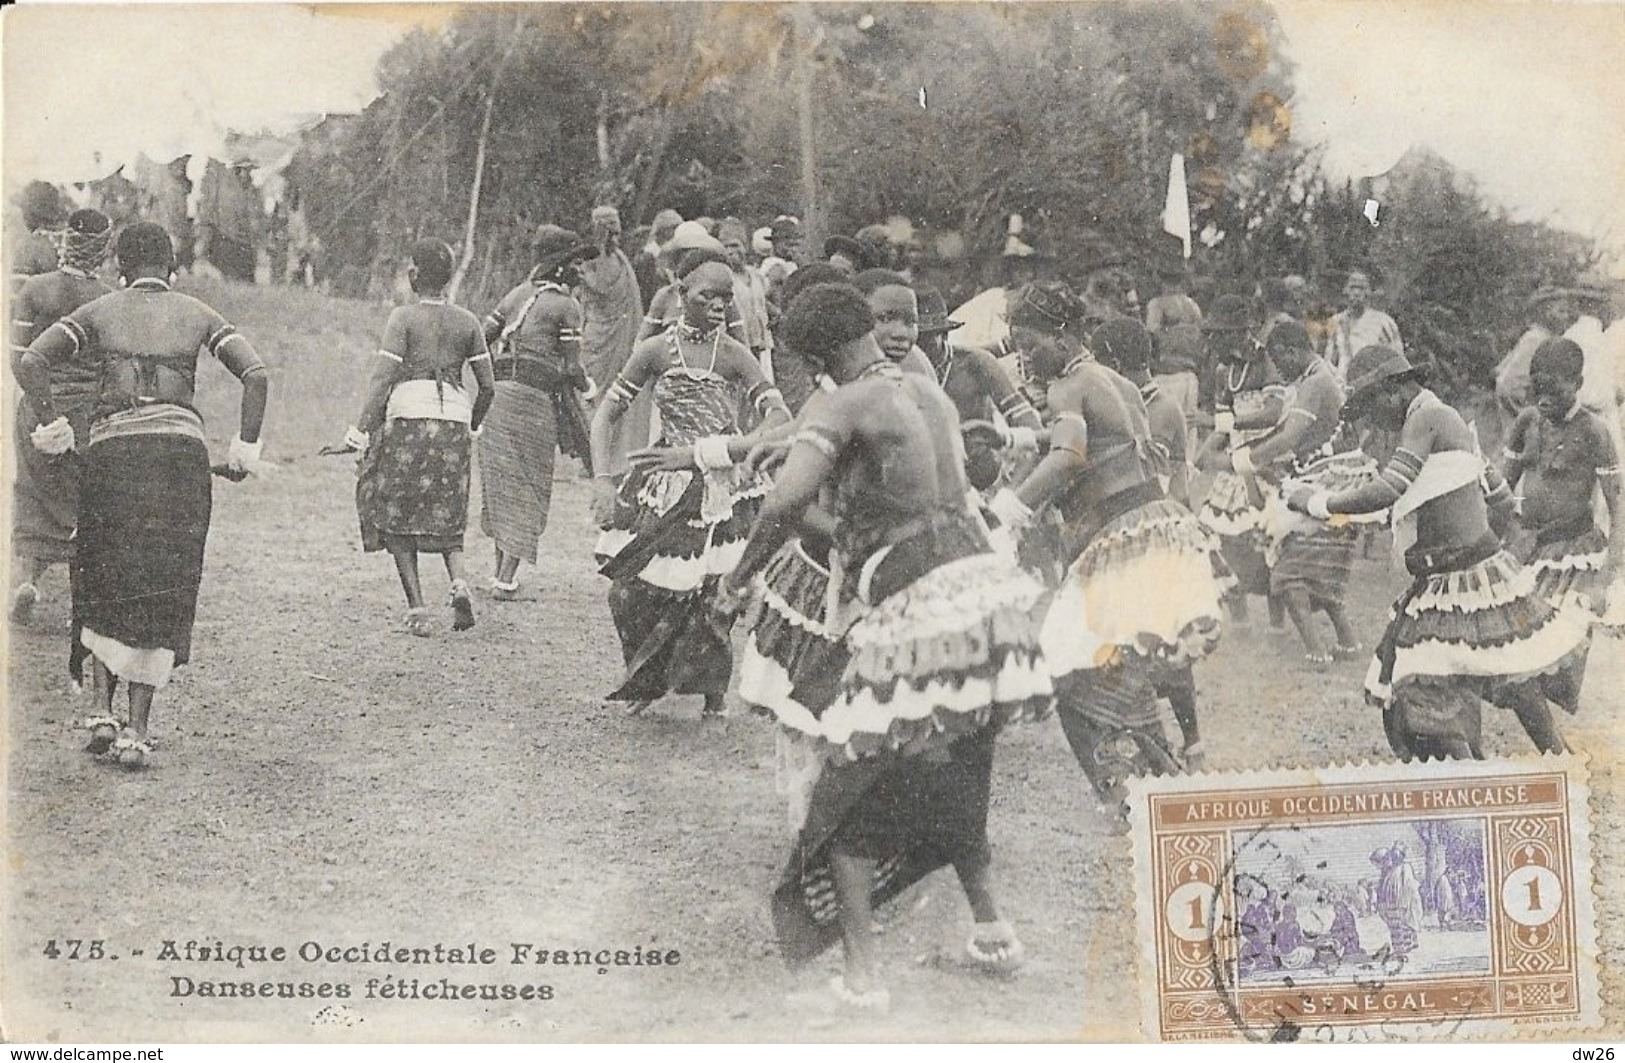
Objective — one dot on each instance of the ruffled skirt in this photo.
(1483, 621)
(948, 654)
(791, 664)
(663, 535)
(1569, 573)
(1145, 585)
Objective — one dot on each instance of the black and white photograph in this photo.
(753, 522)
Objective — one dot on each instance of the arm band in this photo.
(219, 338)
(819, 440)
(620, 393)
(76, 333)
(764, 396)
(1071, 434)
(1402, 471)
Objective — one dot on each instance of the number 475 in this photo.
(75, 949)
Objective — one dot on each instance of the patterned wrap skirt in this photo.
(45, 496)
(1318, 561)
(143, 526)
(1241, 527)
(1471, 622)
(1146, 585)
(412, 485)
(517, 450)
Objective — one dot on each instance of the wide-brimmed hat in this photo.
(691, 236)
(555, 245)
(1593, 285)
(933, 311)
(1372, 369)
(1230, 313)
(1049, 306)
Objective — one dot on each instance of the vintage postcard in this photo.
(574, 522)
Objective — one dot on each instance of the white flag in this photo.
(1176, 209)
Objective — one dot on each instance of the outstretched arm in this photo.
(811, 459)
(1415, 444)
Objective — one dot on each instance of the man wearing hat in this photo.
(787, 247)
(1471, 627)
(535, 337)
(689, 238)
(993, 414)
(986, 316)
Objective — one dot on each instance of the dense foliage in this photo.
(953, 116)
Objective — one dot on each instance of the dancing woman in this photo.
(536, 336)
(146, 495)
(45, 499)
(411, 489)
(1473, 625)
(938, 650)
(1104, 635)
(1247, 404)
(676, 523)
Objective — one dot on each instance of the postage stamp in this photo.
(1372, 902)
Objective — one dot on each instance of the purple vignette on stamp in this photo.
(1376, 902)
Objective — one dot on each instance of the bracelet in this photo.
(711, 453)
(1316, 505)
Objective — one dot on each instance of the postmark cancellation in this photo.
(1372, 902)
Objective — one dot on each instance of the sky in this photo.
(1524, 96)
(1516, 93)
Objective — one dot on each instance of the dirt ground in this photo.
(325, 777)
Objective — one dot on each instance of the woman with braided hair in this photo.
(676, 523)
(146, 499)
(45, 499)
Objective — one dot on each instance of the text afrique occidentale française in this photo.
(254, 960)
